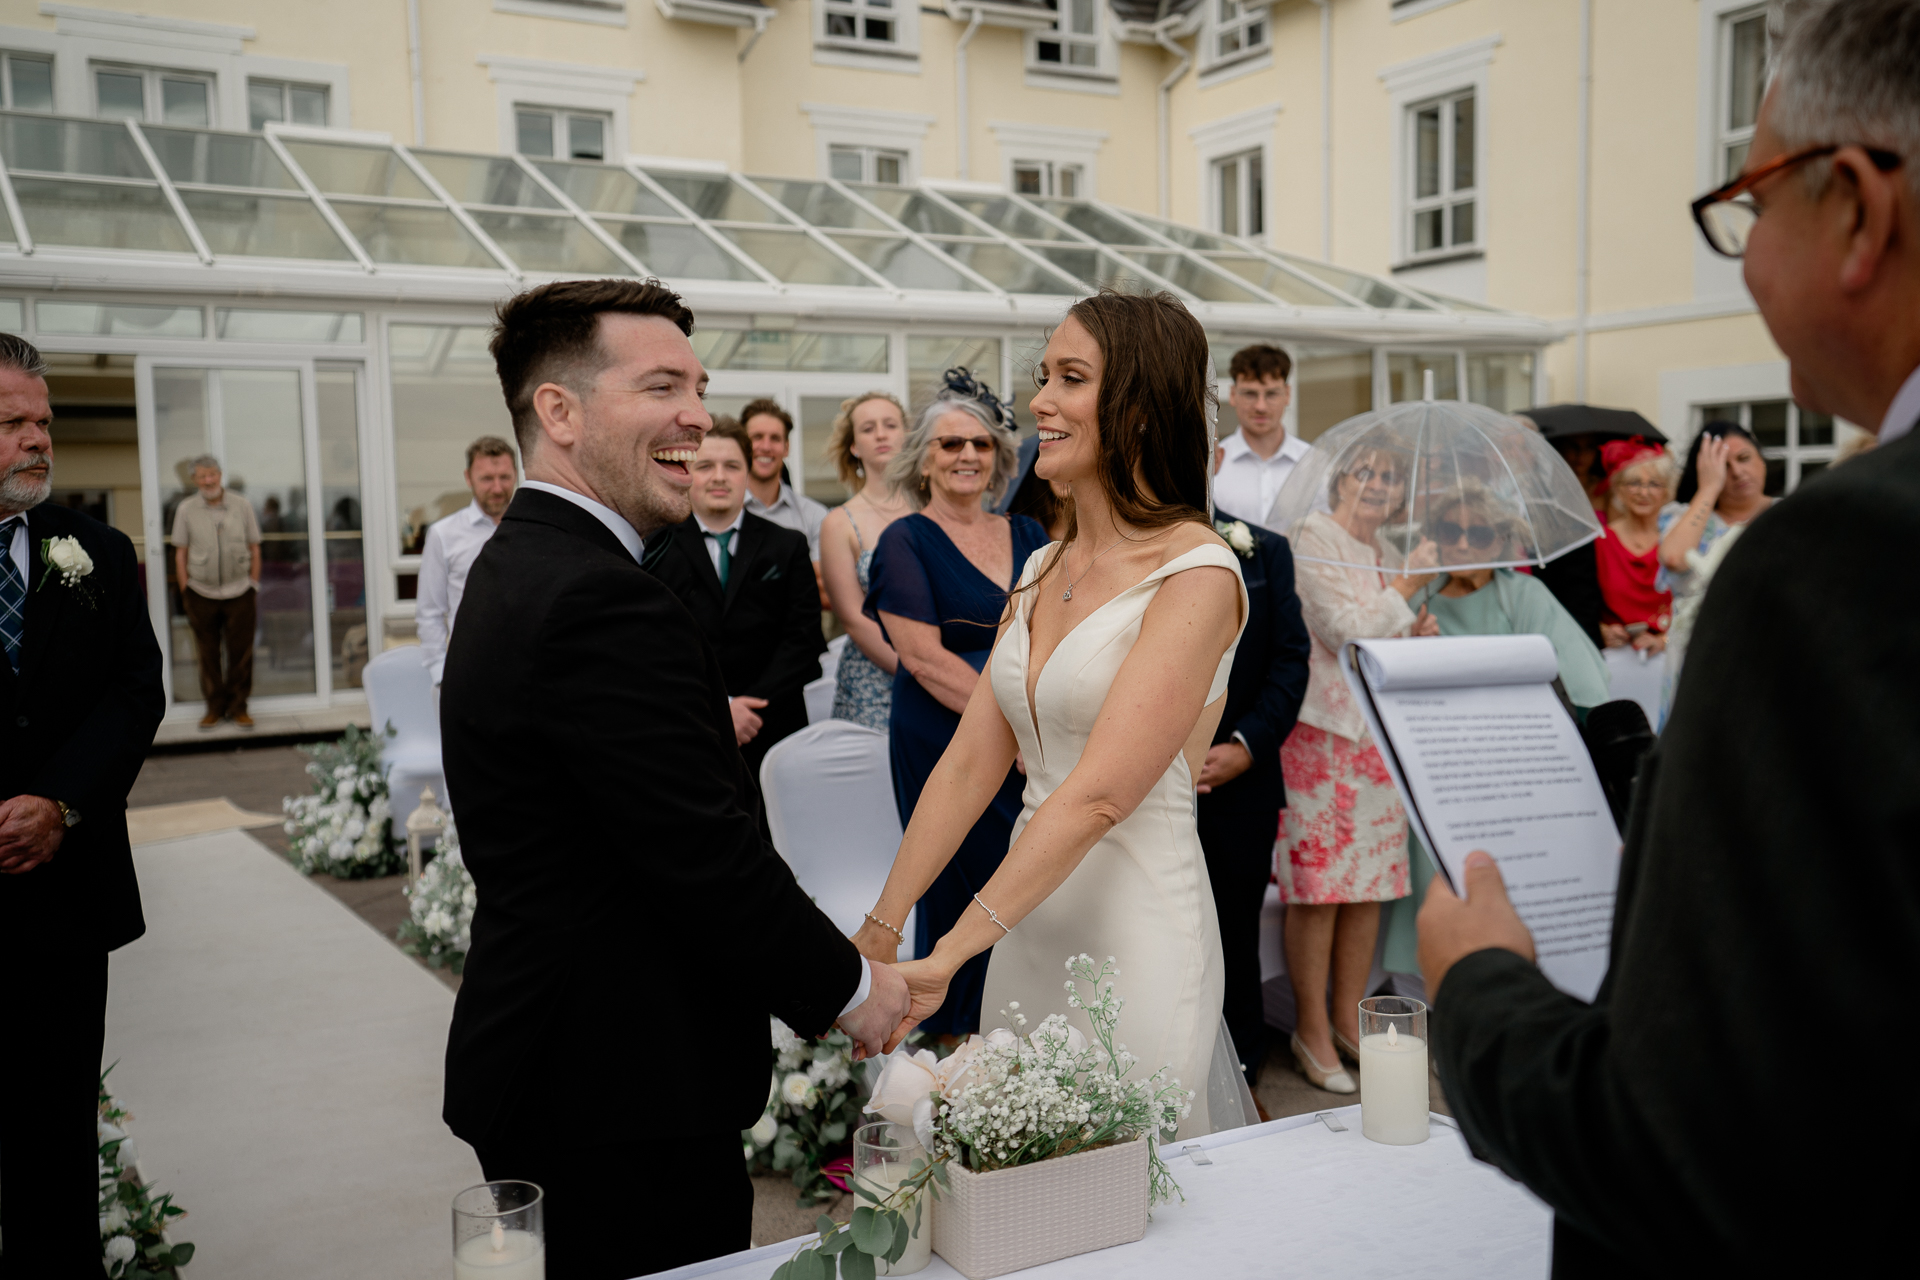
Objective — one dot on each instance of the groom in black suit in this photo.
(763, 620)
(1241, 790)
(634, 930)
(80, 697)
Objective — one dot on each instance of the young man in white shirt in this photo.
(453, 542)
(769, 496)
(1256, 460)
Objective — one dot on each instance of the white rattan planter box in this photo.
(987, 1224)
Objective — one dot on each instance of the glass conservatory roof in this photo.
(359, 208)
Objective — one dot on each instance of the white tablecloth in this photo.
(1293, 1198)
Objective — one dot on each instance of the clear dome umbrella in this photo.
(1478, 487)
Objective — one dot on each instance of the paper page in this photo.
(1432, 662)
(1502, 768)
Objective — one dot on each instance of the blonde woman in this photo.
(865, 437)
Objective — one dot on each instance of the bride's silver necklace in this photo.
(1068, 593)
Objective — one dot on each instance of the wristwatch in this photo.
(69, 816)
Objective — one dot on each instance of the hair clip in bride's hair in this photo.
(961, 383)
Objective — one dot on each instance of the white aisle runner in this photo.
(1293, 1198)
(283, 1065)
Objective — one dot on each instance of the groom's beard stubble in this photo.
(22, 487)
(631, 483)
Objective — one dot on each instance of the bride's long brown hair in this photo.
(1155, 386)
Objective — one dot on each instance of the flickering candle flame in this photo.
(1393, 1038)
(499, 1240)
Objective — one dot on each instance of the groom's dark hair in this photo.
(551, 334)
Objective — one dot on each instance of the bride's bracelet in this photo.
(1004, 928)
(889, 928)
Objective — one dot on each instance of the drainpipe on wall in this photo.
(1161, 38)
(760, 21)
(960, 94)
(413, 71)
(1583, 268)
(1326, 129)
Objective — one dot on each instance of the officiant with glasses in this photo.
(629, 910)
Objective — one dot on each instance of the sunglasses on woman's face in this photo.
(1367, 474)
(954, 444)
(1478, 536)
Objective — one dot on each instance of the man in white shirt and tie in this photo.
(1256, 460)
(453, 542)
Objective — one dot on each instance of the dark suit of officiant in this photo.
(76, 720)
(764, 623)
(1239, 819)
(633, 930)
(1769, 912)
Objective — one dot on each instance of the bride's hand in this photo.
(927, 982)
(877, 943)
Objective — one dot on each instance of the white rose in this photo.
(796, 1090)
(69, 557)
(960, 1069)
(1001, 1038)
(1076, 1043)
(113, 1219)
(119, 1251)
(923, 1122)
(905, 1077)
(764, 1131)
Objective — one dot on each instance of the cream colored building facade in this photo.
(274, 231)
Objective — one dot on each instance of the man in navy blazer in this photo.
(1241, 790)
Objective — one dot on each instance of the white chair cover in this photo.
(1629, 677)
(819, 693)
(400, 693)
(829, 796)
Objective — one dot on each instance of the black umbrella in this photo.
(1558, 421)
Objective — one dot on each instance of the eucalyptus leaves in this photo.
(878, 1231)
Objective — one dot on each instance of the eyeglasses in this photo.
(1641, 484)
(954, 444)
(1478, 536)
(1727, 213)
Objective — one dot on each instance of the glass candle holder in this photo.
(883, 1156)
(1393, 1070)
(500, 1232)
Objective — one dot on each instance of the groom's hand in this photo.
(873, 1023)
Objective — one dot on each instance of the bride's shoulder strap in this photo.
(1209, 554)
(1031, 569)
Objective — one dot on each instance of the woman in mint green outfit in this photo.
(1470, 525)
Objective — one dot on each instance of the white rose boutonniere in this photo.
(1238, 536)
(67, 560)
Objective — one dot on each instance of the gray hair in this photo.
(18, 354)
(205, 461)
(1847, 75)
(903, 472)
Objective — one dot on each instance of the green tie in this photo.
(721, 540)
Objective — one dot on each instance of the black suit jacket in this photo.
(75, 725)
(764, 625)
(1769, 905)
(627, 902)
(1268, 680)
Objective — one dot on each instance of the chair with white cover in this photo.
(819, 693)
(829, 797)
(400, 693)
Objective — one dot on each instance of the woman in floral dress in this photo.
(1343, 834)
(865, 435)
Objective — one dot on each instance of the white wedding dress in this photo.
(1141, 894)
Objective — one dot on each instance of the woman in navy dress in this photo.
(940, 580)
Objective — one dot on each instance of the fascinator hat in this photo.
(960, 384)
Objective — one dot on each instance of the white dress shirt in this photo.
(1248, 483)
(630, 539)
(792, 511)
(731, 538)
(451, 547)
(1904, 412)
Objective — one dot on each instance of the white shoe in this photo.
(1334, 1081)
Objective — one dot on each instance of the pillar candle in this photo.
(501, 1255)
(1393, 1088)
(881, 1179)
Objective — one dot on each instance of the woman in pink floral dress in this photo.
(1343, 834)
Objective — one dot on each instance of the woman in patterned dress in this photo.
(865, 435)
(1343, 834)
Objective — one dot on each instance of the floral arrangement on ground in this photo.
(813, 1107)
(342, 828)
(439, 923)
(999, 1101)
(133, 1221)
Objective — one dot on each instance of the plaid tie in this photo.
(13, 595)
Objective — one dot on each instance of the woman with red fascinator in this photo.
(1640, 480)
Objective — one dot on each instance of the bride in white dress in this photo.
(1107, 677)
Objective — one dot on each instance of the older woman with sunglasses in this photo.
(1343, 834)
(939, 579)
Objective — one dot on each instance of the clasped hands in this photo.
(30, 833)
(903, 993)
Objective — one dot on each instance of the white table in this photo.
(1294, 1198)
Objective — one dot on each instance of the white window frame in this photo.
(901, 53)
(835, 125)
(1053, 146)
(1715, 278)
(1726, 135)
(7, 59)
(1793, 453)
(605, 13)
(151, 78)
(1249, 217)
(1102, 41)
(1684, 393)
(870, 158)
(286, 87)
(559, 133)
(1246, 14)
(1228, 137)
(561, 86)
(1463, 68)
(1447, 198)
(1053, 179)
